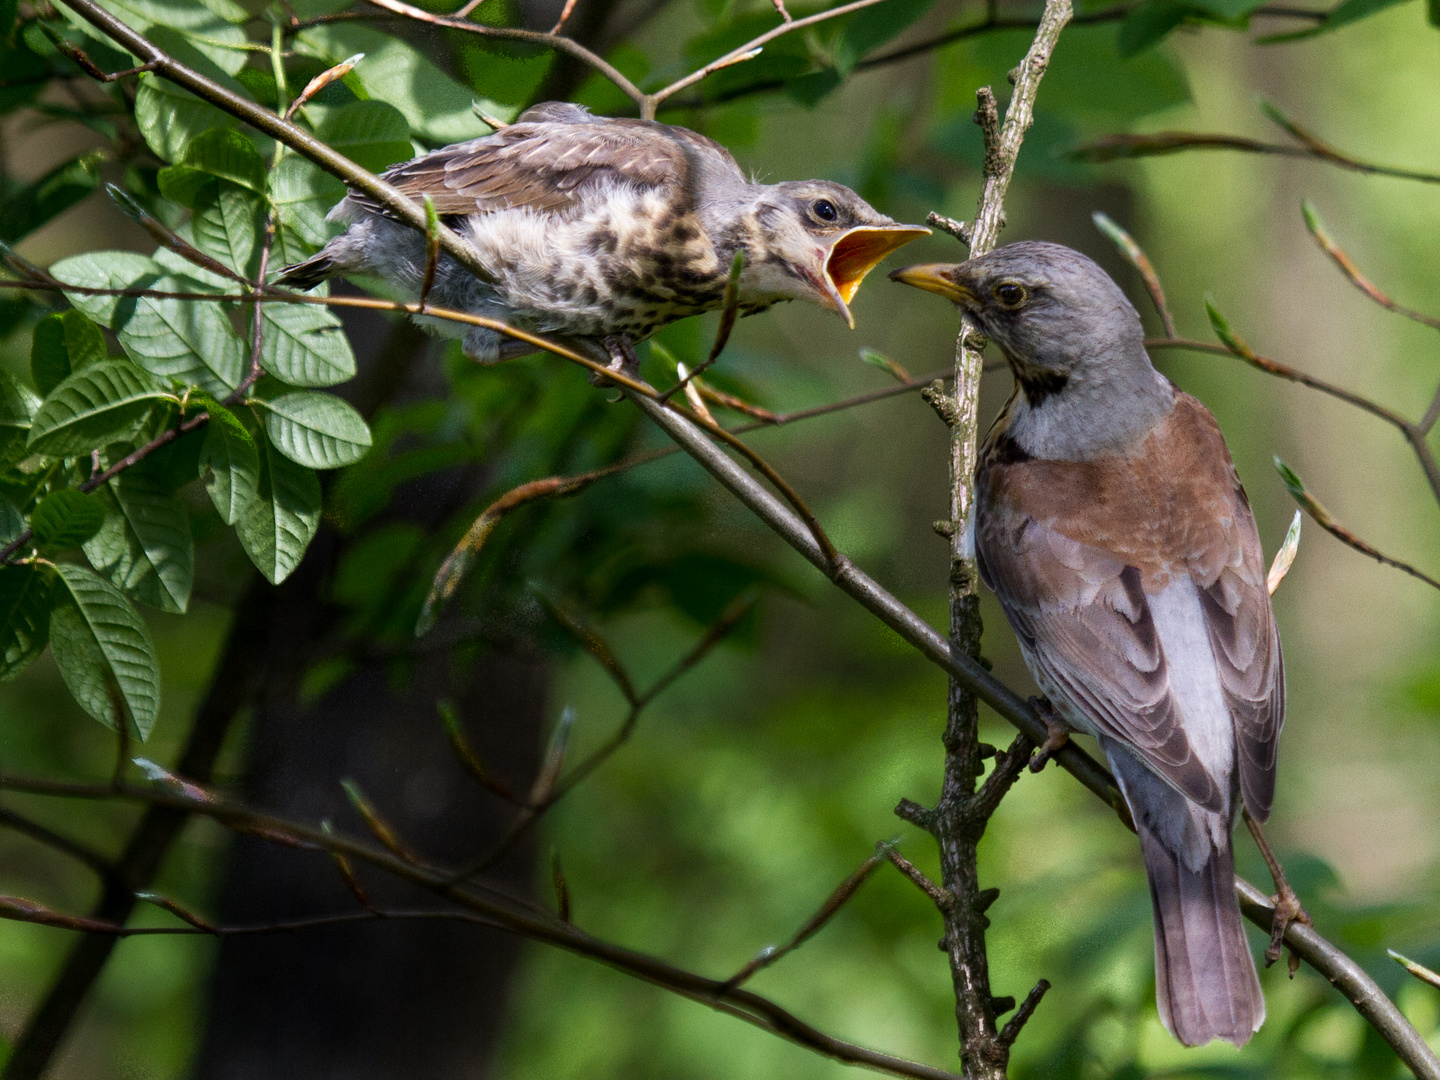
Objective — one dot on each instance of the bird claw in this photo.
(623, 360)
(1057, 733)
(1287, 911)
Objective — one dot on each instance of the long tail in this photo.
(1205, 981)
(307, 274)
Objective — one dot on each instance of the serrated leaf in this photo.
(66, 519)
(144, 546)
(104, 652)
(305, 345)
(18, 403)
(24, 616)
(229, 467)
(190, 341)
(319, 431)
(62, 345)
(99, 404)
(228, 224)
(372, 134)
(277, 527)
(26, 208)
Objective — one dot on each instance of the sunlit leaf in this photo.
(190, 341)
(320, 431)
(278, 525)
(229, 465)
(305, 345)
(144, 546)
(99, 404)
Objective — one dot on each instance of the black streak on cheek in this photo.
(1037, 384)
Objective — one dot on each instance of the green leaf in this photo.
(18, 403)
(104, 651)
(66, 519)
(319, 431)
(25, 209)
(169, 117)
(302, 195)
(277, 527)
(97, 405)
(221, 153)
(190, 341)
(229, 465)
(229, 222)
(1343, 14)
(145, 547)
(305, 345)
(62, 345)
(12, 522)
(873, 27)
(436, 107)
(370, 133)
(1147, 24)
(24, 616)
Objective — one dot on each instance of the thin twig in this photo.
(1351, 271)
(1121, 146)
(1136, 257)
(497, 909)
(833, 903)
(650, 102)
(1326, 521)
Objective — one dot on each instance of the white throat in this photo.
(1101, 410)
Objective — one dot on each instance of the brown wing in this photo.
(1246, 644)
(549, 159)
(1082, 618)
(1071, 549)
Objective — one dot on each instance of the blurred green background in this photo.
(768, 774)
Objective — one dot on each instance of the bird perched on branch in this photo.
(597, 229)
(1112, 527)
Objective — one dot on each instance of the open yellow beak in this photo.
(937, 278)
(859, 251)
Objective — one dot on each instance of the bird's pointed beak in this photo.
(941, 278)
(855, 254)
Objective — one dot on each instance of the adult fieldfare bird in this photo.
(1111, 524)
(599, 228)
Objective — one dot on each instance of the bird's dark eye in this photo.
(824, 209)
(1010, 294)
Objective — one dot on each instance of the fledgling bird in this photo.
(1111, 524)
(599, 229)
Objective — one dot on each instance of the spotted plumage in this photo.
(593, 228)
(1111, 525)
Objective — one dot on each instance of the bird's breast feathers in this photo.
(627, 262)
(1135, 584)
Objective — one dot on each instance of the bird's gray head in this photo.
(815, 240)
(1054, 313)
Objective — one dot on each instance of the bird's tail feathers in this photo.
(1205, 980)
(307, 274)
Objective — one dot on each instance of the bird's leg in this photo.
(1057, 733)
(1287, 904)
(622, 354)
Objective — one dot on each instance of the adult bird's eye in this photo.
(825, 210)
(1010, 294)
